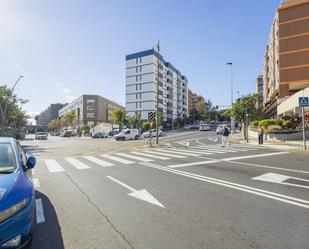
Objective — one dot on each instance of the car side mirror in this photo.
(31, 161)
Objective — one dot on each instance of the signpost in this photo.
(302, 102)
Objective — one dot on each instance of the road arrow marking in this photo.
(143, 194)
(213, 139)
(184, 143)
(277, 178)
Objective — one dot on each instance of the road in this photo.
(189, 193)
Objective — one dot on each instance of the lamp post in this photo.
(232, 119)
(157, 109)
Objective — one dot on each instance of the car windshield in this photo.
(7, 158)
(41, 133)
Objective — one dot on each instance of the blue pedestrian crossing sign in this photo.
(303, 101)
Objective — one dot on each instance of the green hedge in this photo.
(267, 122)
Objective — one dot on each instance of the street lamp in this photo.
(231, 66)
(157, 109)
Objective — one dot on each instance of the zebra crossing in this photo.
(147, 155)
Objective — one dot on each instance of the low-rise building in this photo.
(91, 109)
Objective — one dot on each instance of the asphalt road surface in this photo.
(189, 193)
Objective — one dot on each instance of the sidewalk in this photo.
(274, 144)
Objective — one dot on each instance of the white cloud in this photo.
(66, 90)
(70, 97)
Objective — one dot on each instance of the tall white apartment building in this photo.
(141, 86)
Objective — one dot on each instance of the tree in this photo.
(135, 121)
(68, 118)
(119, 117)
(244, 110)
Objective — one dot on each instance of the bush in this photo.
(255, 123)
(146, 126)
(274, 128)
(279, 122)
(267, 122)
(288, 124)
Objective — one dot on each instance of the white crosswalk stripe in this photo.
(164, 154)
(191, 151)
(151, 156)
(209, 150)
(53, 166)
(98, 161)
(76, 163)
(138, 158)
(117, 159)
(178, 152)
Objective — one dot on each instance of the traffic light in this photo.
(151, 116)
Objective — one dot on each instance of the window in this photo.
(7, 158)
(136, 87)
(140, 60)
(90, 108)
(140, 96)
(136, 60)
(140, 86)
(136, 79)
(140, 77)
(140, 104)
(136, 104)
(23, 154)
(136, 96)
(90, 115)
(136, 69)
(140, 68)
(90, 101)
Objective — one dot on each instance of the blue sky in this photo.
(65, 48)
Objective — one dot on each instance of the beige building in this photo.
(91, 109)
(286, 59)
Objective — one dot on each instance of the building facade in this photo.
(49, 114)
(286, 60)
(91, 109)
(260, 91)
(141, 86)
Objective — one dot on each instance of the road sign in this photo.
(303, 101)
(151, 115)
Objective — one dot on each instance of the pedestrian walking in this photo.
(225, 135)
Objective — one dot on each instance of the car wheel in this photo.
(123, 138)
(136, 137)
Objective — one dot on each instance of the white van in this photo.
(127, 134)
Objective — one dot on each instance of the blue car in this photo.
(17, 201)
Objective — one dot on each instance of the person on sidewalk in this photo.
(225, 135)
(260, 135)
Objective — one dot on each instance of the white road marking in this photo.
(231, 149)
(277, 178)
(76, 163)
(151, 156)
(163, 154)
(139, 194)
(53, 166)
(36, 183)
(40, 218)
(191, 151)
(98, 161)
(260, 192)
(135, 157)
(177, 152)
(193, 164)
(270, 167)
(210, 150)
(183, 143)
(117, 159)
(254, 156)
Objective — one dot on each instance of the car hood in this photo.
(13, 188)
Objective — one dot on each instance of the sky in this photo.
(66, 48)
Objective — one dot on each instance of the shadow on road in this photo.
(33, 149)
(47, 235)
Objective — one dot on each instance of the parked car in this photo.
(204, 127)
(153, 131)
(127, 134)
(17, 200)
(99, 135)
(41, 136)
(67, 134)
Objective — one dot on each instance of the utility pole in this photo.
(157, 110)
(232, 119)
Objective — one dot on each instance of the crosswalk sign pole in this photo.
(304, 128)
